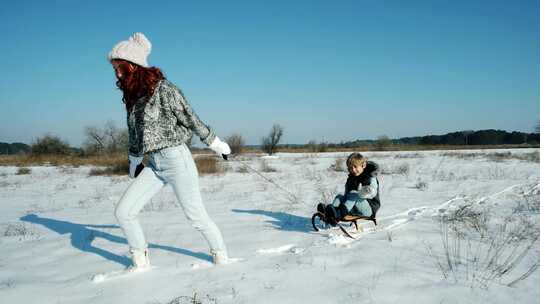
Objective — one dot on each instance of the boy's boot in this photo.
(331, 215)
(320, 208)
(342, 211)
(140, 259)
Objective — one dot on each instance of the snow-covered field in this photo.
(57, 230)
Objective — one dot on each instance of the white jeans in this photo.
(174, 166)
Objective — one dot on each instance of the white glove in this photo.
(134, 161)
(220, 147)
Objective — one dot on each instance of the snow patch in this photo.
(117, 274)
(339, 239)
(278, 250)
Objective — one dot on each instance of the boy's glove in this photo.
(220, 147)
(135, 165)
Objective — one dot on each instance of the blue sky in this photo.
(325, 70)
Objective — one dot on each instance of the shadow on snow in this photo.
(82, 236)
(283, 221)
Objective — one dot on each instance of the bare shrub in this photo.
(20, 230)
(462, 155)
(208, 165)
(105, 140)
(236, 142)
(500, 156)
(390, 235)
(7, 283)
(312, 158)
(214, 187)
(383, 143)
(495, 172)
(440, 175)
(312, 146)
(293, 198)
(158, 205)
(315, 147)
(119, 168)
(409, 155)
(66, 170)
(86, 203)
(195, 299)
(62, 186)
(322, 147)
(313, 175)
(533, 157)
(468, 217)
(480, 251)
(530, 202)
(270, 142)
(338, 165)
(402, 169)
(242, 169)
(326, 195)
(50, 144)
(386, 170)
(421, 185)
(95, 140)
(23, 171)
(265, 167)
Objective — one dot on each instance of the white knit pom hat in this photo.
(136, 49)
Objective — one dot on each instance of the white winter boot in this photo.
(140, 259)
(220, 257)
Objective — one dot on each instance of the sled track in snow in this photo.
(398, 220)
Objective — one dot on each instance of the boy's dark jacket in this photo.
(354, 182)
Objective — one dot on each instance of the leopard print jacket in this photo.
(164, 120)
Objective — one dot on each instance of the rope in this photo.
(270, 181)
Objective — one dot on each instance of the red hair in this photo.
(137, 81)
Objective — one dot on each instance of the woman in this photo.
(160, 123)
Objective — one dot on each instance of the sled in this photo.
(319, 221)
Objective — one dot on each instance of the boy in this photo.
(361, 191)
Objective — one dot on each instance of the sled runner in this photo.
(320, 220)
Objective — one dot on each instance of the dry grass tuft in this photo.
(209, 165)
(62, 160)
(338, 165)
(265, 167)
(480, 248)
(23, 171)
(121, 168)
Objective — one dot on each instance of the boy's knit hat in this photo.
(136, 49)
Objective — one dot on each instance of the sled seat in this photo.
(319, 217)
(354, 218)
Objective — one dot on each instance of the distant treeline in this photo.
(482, 137)
(14, 148)
(461, 138)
